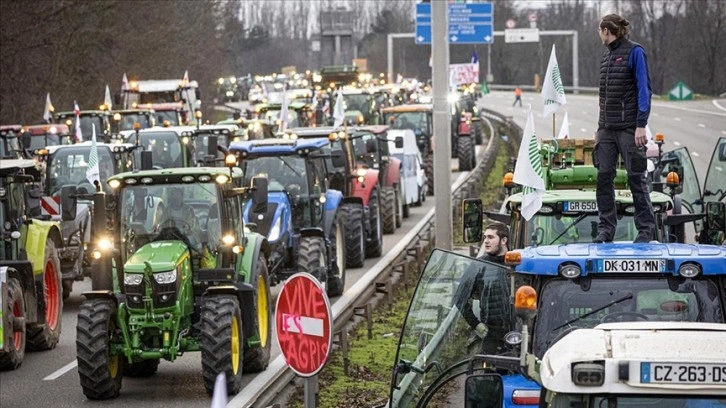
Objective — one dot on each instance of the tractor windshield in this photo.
(69, 166)
(416, 121)
(159, 97)
(88, 122)
(171, 116)
(40, 141)
(185, 212)
(566, 305)
(128, 120)
(165, 146)
(284, 173)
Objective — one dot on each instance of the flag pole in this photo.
(553, 126)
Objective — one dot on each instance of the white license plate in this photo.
(678, 373)
(579, 206)
(633, 265)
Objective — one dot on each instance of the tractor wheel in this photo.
(355, 244)
(145, 368)
(311, 258)
(257, 357)
(374, 244)
(466, 153)
(336, 269)
(388, 210)
(44, 336)
(477, 127)
(222, 342)
(429, 171)
(101, 371)
(15, 322)
(401, 207)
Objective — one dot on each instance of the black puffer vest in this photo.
(618, 89)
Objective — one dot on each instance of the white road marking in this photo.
(68, 367)
(656, 114)
(677, 143)
(677, 119)
(717, 104)
(695, 154)
(701, 125)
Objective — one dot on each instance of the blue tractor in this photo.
(302, 221)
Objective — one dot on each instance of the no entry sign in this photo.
(304, 324)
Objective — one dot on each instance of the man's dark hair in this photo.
(501, 229)
(617, 25)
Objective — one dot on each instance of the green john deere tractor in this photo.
(31, 306)
(177, 273)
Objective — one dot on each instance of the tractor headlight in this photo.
(275, 230)
(228, 240)
(104, 244)
(133, 278)
(588, 374)
(689, 270)
(570, 271)
(165, 277)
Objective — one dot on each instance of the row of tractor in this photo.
(568, 322)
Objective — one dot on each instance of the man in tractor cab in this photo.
(181, 216)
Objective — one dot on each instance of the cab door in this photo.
(714, 196)
(690, 188)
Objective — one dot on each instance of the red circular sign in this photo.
(304, 324)
(510, 23)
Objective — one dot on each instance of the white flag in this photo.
(565, 129)
(553, 92)
(338, 111)
(48, 113)
(648, 133)
(125, 83)
(185, 80)
(219, 396)
(107, 99)
(528, 171)
(283, 111)
(93, 172)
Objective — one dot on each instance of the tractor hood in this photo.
(161, 256)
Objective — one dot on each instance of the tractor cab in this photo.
(37, 137)
(89, 119)
(10, 147)
(126, 119)
(170, 147)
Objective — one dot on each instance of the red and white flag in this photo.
(78, 136)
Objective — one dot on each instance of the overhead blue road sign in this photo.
(469, 23)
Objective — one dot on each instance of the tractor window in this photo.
(547, 229)
(171, 115)
(565, 306)
(158, 97)
(361, 150)
(69, 166)
(165, 147)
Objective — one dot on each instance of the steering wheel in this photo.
(619, 317)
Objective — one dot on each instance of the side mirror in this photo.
(68, 203)
(472, 219)
(147, 160)
(25, 140)
(212, 145)
(398, 142)
(484, 390)
(259, 195)
(338, 158)
(371, 146)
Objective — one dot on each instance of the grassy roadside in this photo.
(371, 360)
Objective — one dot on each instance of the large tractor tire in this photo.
(466, 152)
(355, 240)
(141, 369)
(388, 210)
(677, 233)
(100, 371)
(336, 268)
(222, 342)
(44, 336)
(401, 207)
(257, 357)
(477, 128)
(311, 258)
(374, 243)
(15, 322)
(429, 171)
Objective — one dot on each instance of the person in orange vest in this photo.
(517, 96)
